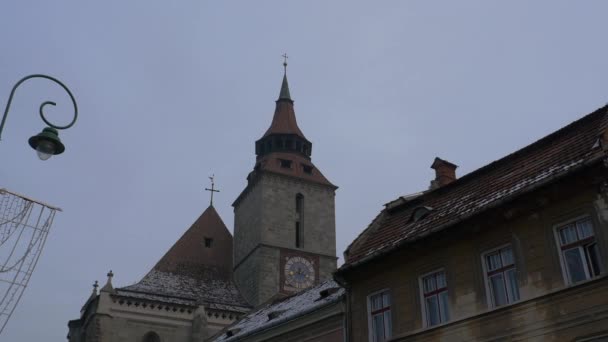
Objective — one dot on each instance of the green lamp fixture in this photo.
(47, 142)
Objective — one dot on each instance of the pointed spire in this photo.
(284, 94)
(108, 286)
(94, 293)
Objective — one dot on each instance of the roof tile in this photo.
(554, 155)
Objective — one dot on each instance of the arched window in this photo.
(299, 219)
(151, 337)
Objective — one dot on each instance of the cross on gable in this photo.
(213, 189)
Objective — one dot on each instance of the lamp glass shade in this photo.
(45, 149)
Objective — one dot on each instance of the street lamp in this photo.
(47, 142)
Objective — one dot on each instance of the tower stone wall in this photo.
(284, 220)
(265, 219)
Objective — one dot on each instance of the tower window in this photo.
(298, 242)
(208, 242)
(299, 220)
(307, 169)
(286, 164)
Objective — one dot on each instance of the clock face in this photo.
(299, 272)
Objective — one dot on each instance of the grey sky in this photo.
(172, 91)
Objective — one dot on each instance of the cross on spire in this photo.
(213, 189)
(285, 62)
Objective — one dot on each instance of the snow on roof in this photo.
(181, 288)
(285, 310)
(189, 274)
(156, 297)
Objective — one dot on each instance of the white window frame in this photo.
(558, 245)
(425, 322)
(370, 318)
(486, 279)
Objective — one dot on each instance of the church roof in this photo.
(561, 153)
(284, 310)
(190, 256)
(198, 267)
(284, 119)
(186, 290)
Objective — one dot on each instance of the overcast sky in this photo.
(172, 91)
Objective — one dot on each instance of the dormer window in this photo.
(420, 213)
(208, 242)
(307, 169)
(274, 314)
(286, 164)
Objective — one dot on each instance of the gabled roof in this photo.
(284, 310)
(551, 157)
(190, 271)
(189, 256)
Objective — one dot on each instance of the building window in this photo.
(151, 337)
(435, 298)
(501, 276)
(579, 252)
(299, 220)
(208, 242)
(379, 307)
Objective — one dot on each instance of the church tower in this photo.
(284, 220)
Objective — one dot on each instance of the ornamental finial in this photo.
(285, 62)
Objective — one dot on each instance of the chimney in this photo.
(445, 173)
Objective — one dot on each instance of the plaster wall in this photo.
(528, 226)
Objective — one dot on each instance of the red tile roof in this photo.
(555, 155)
(272, 162)
(284, 120)
(192, 271)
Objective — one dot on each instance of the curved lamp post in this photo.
(46, 143)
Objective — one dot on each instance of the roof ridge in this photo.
(540, 142)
